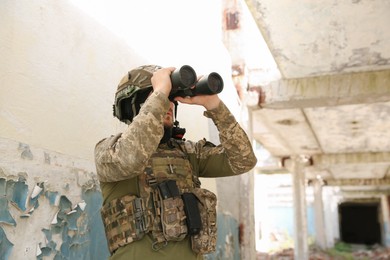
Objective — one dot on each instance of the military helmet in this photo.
(133, 89)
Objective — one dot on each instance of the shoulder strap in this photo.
(195, 176)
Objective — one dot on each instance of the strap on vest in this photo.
(195, 173)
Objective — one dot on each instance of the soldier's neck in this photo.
(167, 135)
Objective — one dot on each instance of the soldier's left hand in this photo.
(208, 101)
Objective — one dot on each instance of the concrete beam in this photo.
(357, 182)
(325, 160)
(329, 90)
(350, 158)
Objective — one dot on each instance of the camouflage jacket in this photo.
(121, 158)
(125, 155)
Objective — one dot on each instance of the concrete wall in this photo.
(58, 72)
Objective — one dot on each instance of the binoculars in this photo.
(184, 78)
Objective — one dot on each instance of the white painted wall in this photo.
(58, 72)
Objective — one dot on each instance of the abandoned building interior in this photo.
(309, 81)
(326, 118)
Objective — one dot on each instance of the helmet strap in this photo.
(133, 105)
(177, 131)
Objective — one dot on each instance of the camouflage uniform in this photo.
(121, 158)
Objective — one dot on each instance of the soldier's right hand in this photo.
(161, 80)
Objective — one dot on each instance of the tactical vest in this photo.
(159, 208)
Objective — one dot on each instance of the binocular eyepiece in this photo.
(184, 78)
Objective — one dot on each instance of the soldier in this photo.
(153, 205)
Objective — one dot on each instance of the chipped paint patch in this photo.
(228, 247)
(5, 216)
(14, 193)
(15, 190)
(5, 245)
(25, 151)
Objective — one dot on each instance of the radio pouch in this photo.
(191, 208)
(206, 240)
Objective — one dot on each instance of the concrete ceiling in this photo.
(333, 99)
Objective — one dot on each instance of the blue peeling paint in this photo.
(98, 244)
(227, 239)
(46, 251)
(73, 218)
(65, 206)
(51, 196)
(34, 202)
(50, 244)
(15, 191)
(82, 231)
(19, 194)
(5, 245)
(3, 185)
(64, 249)
(5, 216)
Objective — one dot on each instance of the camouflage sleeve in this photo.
(125, 155)
(235, 152)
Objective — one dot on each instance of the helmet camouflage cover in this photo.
(133, 89)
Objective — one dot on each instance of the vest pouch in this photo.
(206, 240)
(125, 220)
(191, 208)
(172, 211)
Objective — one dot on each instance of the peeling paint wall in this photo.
(49, 205)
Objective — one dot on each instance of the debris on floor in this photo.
(341, 251)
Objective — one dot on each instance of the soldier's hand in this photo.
(161, 80)
(208, 101)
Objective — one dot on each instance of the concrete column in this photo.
(319, 214)
(247, 209)
(330, 206)
(301, 249)
(247, 218)
(385, 218)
